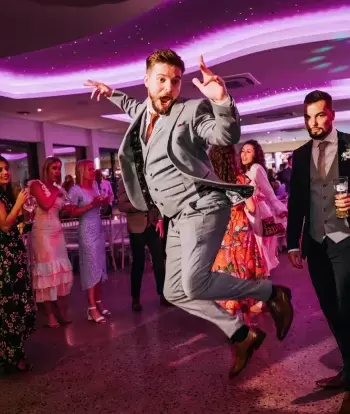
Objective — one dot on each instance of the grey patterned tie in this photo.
(321, 162)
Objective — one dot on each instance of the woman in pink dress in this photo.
(267, 204)
(52, 270)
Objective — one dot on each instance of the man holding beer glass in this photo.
(318, 224)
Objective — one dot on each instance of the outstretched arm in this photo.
(125, 103)
(216, 120)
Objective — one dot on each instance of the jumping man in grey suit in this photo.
(163, 160)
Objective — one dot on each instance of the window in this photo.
(23, 160)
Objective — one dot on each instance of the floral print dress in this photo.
(17, 314)
(239, 254)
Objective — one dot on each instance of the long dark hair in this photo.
(8, 191)
(259, 156)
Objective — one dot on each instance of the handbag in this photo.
(271, 228)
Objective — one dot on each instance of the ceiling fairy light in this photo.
(217, 47)
(255, 128)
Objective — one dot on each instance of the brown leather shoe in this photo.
(244, 350)
(281, 310)
(345, 407)
(332, 383)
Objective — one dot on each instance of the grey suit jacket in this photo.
(191, 127)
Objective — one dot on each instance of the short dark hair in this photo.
(165, 56)
(316, 96)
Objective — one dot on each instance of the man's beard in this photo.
(319, 137)
(159, 109)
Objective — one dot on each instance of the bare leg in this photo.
(93, 311)
(100, 307)
(62, 305)
(50, 315)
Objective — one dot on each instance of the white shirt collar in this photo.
(332, 138)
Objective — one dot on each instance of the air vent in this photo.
(239, 81)
(276, 115)
(23, 112)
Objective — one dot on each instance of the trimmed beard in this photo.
(320, 137)
(163, 111)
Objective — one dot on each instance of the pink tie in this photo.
(321, 162)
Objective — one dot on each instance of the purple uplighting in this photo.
(116, 56)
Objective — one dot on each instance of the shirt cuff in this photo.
(227, 102)
(293, 250)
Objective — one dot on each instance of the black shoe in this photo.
(136, 305)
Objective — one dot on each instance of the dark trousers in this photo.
(138, 241)
(329, 267)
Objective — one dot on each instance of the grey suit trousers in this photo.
(194, 238)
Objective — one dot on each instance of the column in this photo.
(45, 145)
(93, 149)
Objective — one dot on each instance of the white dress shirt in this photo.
(330, 153)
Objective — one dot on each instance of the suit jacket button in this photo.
(325, 197)
(325, 185)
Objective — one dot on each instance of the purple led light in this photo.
(217, 47)
(285, 124)
(64, 150)
(14, 157)
(256, 128)
(341, 90)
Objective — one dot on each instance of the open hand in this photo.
(100, 89)
(213, 87)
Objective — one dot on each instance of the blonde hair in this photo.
(79, 170)
(47, 164)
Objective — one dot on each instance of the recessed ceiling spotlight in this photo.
(294, 139)
(268, 132)
(39, 110)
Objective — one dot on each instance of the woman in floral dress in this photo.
(239, 254)
(17, 315)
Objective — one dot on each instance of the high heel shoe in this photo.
(100, 319)
(103, 312)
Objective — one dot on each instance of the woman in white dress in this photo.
(266, 202)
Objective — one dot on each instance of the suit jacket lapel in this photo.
(307, 174)
(343, 146)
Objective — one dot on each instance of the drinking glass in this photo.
(341, 186)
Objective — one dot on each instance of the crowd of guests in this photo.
(245, 252)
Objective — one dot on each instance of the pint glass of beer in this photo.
(341, 187)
